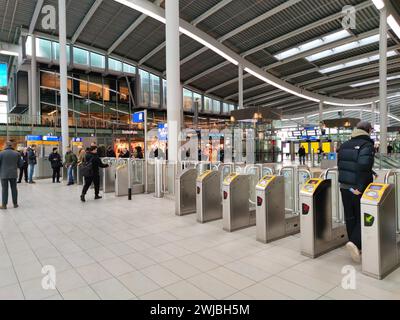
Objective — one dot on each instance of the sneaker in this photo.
(97, 197)
(83, 198)
(3, 207)
(16, 206)
(354, 251)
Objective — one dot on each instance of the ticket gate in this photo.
(109, 175)
(186, 192)
(319, 233)
(208, 196)
(380, 243)
(236, 212)
(272, 220)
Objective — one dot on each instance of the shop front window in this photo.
(97, 60)
(155, 91)
(144, 88)
(81, 56)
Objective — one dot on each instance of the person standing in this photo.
(32, 161)
(110, 153)
(23, 170)
(71, 161)
(56, 164)
(302, 154)
(10, 160)
(355, 162)
(81, 156)
(94, 177)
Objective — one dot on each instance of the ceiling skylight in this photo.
(365, 83)
(313, 44)
(343, 48)
(356, 62)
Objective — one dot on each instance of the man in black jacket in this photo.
(93, 157)
(355, 163)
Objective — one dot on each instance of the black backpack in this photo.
(86, 169)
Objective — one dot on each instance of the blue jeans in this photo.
(70, 174)
(30, 173)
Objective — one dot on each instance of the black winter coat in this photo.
(355, 162)
(55, 160)
(96, 163)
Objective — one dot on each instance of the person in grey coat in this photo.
(10, 161)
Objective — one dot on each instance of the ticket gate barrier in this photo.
(319, 233)
(236, 213)
(272, 220)
(121, 178)
(380, 244)
(186, 192)
(109, 174)
(208, 196)
(129, 174)
(79, 176)
(295, 178)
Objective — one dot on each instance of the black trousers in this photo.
(88, 182)
(302, 159)
(23, 172)
(14, 191)
(352, 216)
(56, 174)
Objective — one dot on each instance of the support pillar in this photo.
(174, 92)
(63, 75)
(240, 86)
(320, 114)
(383, 80)
(34, 85)
(373, 114)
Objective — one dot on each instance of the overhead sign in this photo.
(138, 117)
(77, 140)
(129, 132)
(51, 138)
(34, 138)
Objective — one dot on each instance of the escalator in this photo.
(385, 162)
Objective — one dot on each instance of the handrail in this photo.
(327, 172)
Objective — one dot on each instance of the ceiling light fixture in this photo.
(394, 25)
(272, 83)
(379, 4)
(313, 44)
(9, 53)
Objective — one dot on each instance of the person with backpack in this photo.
(355, 162)
(71, 161)
(91, 171)
(56, 165)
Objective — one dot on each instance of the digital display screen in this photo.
(373, 187)
(311, 133)
(313, 182)
(296, 133)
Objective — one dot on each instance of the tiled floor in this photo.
(120, 249)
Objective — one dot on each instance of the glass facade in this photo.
(108, 97)
(81, 56)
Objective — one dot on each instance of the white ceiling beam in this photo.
(210, 12)
(36, 13)
(86, 20)
(130, 29)
(196, 21)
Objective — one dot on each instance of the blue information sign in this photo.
(138, 117)
(34, 138)
(51, 138)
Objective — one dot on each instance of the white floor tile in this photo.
(231, 278)
(112, 289)
(84, 293)
(160, 275)
(160, 294)
(260, 292)
(290, 289)
(68, 280)
(184, 290)
(12, 292)
(138, 260)
(117, 266)
(212, 286)
(138, 283)
(93, 273)
(181, 268)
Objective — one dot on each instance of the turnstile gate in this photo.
(272, 220)
(186, 192)
(109, 175)
(236, 213)
(208, 196)
(380, 244)
(319, 233)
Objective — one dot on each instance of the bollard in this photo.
(129, 180)
(158, 176)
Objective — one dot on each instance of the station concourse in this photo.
(200, 150)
